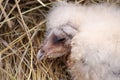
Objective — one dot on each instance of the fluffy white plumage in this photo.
(95, 43)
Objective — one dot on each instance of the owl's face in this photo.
(57, 42)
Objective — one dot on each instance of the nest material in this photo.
(22, 27)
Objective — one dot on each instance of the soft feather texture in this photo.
(95, 47)
(63, 13)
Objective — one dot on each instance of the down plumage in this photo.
(92, 36)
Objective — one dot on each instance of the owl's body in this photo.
(94, 40)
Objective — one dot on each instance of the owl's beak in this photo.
(40, 55)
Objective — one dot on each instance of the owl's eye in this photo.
(61, 40)
(57, 39)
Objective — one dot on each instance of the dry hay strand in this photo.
(22, 27)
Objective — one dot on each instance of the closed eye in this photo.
(61, 40)
(57, 39)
